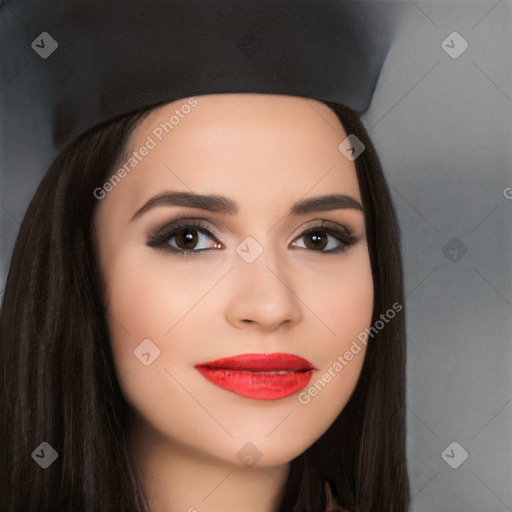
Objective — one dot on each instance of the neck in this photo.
(179, 478)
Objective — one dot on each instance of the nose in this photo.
(261, 293)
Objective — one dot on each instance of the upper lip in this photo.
(278, 361)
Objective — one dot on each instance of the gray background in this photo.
(442, 127)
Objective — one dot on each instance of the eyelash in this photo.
(160, 236)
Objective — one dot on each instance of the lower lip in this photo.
(259, 385)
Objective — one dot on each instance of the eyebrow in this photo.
(222, 204)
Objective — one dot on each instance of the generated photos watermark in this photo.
(151, 143)
(343, 360)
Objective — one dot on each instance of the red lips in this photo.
(254, 375)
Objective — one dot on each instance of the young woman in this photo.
(204, 309)
(214, 322)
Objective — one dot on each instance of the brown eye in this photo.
(186, 238)
(315, 240)
(326, 239)
(183, 238)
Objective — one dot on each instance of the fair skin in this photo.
(264, 152)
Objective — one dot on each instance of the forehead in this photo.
(251, 147)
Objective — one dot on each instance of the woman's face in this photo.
(264, 277)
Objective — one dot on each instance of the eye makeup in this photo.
(316, 233)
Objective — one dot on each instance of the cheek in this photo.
(342, 299)
(145, 301)
(345, 309)
(348, 303)
(140, 307)
(146, 298)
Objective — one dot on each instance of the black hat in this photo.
(77, 63)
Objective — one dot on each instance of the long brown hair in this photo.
(59, 384)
